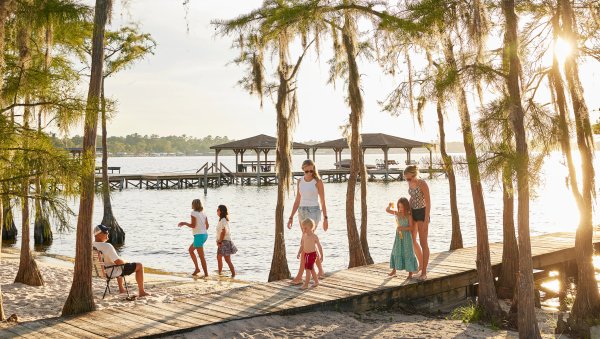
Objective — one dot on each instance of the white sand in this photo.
(351, 325)
(30, 303)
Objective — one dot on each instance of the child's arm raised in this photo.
(190, 225)
(319, 247)
(390, 209)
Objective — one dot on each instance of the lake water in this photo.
(150, 217)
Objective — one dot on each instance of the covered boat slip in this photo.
(452, 280)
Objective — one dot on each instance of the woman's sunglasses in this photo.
(309, 171)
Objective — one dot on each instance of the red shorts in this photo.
(309, 260)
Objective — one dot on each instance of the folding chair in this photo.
(106, 271)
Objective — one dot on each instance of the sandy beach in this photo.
(31, 303)
(350, 325)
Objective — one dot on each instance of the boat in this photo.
(345, 163)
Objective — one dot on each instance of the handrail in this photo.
(228, 170)
(201, 168)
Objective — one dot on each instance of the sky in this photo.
(189, 86)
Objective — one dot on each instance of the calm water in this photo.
(150, 217)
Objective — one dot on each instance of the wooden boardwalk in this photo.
(356, 289)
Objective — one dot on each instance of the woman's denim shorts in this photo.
(310, 212)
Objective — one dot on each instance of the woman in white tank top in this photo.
(310, 191)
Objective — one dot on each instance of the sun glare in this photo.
(562, 49)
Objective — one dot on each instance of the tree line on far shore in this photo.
(137, 144)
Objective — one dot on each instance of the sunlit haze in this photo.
(189, 85)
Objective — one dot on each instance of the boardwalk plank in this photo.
(164, 316)
(146, 326)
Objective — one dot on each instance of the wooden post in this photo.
(430, 163)
(217, 157)
(385, 161)
(307, 150)
(205, 180)
(236, 159)
(314, 154)
(257, 166)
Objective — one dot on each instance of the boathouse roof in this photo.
(260, 141)
(376, 140)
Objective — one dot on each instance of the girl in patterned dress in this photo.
(225, 246)
(403, 255)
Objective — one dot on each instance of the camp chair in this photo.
(105, 271)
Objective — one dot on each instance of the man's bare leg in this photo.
(139, 278)
(121, 287)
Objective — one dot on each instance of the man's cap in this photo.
(100, 229)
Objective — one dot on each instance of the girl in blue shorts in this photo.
(199, 226)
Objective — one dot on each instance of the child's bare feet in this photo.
(295, 282)
(196, 272)
(315, 285)
(410, 275)
(144, 294)
(303, 287)
(392, 273)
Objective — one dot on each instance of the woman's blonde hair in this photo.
(412, 169)
(197, 205)
(309, 162)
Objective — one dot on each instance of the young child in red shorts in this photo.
(311, 249)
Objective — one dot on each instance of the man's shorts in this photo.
(129, 268)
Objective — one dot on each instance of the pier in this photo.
(219, 178)
(452, 280)
(262, 171)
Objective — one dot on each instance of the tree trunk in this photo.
(28, 273)
(487, 298)
(2, 316)
(363, 210)
(456, 242)
(42, 230)
(528, 326)
(9, 229)
(586, 307)
(279, 265)
(116, 234)
(81, 298)
(510, 249)
(7, 226)
(357, 256)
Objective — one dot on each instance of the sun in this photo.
(562, 49)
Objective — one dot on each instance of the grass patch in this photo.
(470, 313)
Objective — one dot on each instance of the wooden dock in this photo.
(177, 180)
(451, 273)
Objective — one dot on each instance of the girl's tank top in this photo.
(417, 198)
(309, 194)
(402, 221)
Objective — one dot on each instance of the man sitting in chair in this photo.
(112, 258)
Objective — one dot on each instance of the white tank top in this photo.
(309, 194)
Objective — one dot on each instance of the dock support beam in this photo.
(205, 180)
